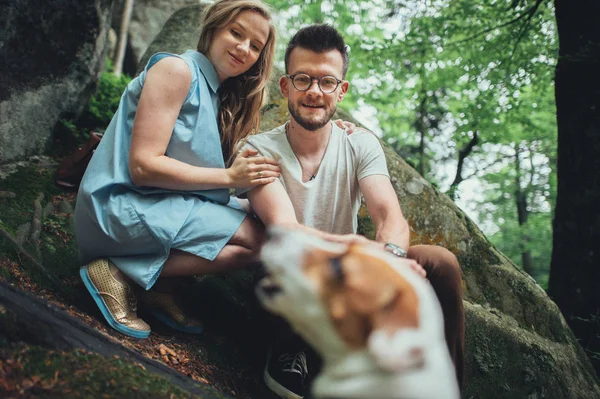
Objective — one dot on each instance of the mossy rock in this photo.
(34, 372)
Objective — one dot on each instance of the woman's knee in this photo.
(249, 235)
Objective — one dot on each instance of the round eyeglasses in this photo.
(302, 82)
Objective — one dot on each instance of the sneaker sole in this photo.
(276, 387)
(164, 318)
(87, 281)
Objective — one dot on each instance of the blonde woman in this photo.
(154, 202)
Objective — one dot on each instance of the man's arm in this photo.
(384, 209)
(273, 206)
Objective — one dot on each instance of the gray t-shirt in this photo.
(329, 202)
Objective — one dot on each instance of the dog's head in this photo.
(344, 297)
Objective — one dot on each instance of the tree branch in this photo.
(497, 161)
(462, 154)
(528, 13)
(521, 34)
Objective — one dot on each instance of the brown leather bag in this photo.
(71, 169)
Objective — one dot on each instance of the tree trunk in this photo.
(575, 266)
(463, 153)
(122, 44)
(522, 216)
(421, 127)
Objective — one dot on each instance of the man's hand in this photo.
(347, 238)
(417, 268)
(361, 240)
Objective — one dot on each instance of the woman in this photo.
(154, 200)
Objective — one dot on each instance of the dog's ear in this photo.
(376, 290)
(316, 262)
(387, 296)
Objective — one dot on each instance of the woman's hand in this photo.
(249, 170)
(349, 127)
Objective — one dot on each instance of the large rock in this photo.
(179, 34)
(147, 20)
(52, 53)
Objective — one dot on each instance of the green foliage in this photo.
(26, 183)
(57, 244)
(105, 102)
(97, 114)
(438, 71)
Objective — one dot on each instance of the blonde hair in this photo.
(242, 96)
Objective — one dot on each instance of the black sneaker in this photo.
(286, 373)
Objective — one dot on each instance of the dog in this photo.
(376, 323)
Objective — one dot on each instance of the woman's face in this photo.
(236, 46)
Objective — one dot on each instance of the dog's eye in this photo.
(335, 265)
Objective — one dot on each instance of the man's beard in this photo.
(310, 124)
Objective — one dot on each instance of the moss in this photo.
(366, 226)
(27, 182)
(4, 273)
(519, 362)
(56, 243)
(38, 372)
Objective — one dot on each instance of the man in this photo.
(323, 174)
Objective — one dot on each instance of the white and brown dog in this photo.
(376, 323)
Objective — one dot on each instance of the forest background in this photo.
(464, 92)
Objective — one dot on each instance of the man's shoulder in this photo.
(362, 135)
(361, 143)
(269, 138)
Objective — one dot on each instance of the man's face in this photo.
(313, 109)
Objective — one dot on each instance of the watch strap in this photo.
(395, 249)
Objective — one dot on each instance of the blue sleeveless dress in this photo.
(136, 227)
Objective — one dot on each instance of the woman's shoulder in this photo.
(170, 64)
(173, 71)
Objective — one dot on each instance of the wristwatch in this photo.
(395, 249)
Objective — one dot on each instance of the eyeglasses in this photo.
(302, 82)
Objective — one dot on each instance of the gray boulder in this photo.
(179, 33)
(147, 20)
(52, 53)
(518, 344)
